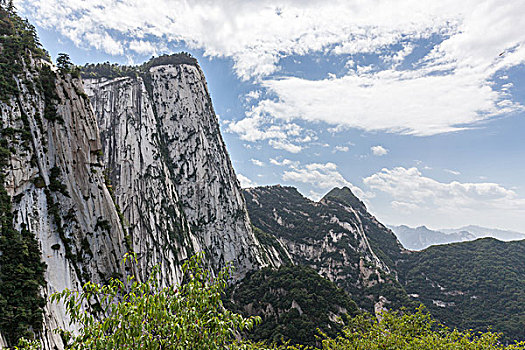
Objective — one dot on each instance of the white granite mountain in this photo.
(54, 179)
(136, 164)
(169, 168)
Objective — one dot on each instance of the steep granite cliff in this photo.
(158, 182)
(54, 198)
(168, 165)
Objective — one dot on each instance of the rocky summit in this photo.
(336, 237)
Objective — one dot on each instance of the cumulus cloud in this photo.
(340, 149)
(256, 162)
(245, 182)
(378, 150)
(285, 145)
(285, 162)
(448, 89)
(322, 176)
(279, 135)
(406, 102)
(440, 203)
(253, 95)
(256, 34)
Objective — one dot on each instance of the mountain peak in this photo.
(346, 196)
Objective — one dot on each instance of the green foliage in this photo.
(113, 70)
(64, 63)
(144, 315)
(410, 332)
(481, 282)
(293, 301)
(55, 184)
(21, 276)
(18, 43)
(48, 85)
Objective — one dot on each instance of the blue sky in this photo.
(417, 106)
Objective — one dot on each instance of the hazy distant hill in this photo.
(422, 237)
(482, 232)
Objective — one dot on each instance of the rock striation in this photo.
(53, 177)
(336, 236)
(144, 169)
(169, 168)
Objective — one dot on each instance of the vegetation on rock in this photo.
(21, 268)
(325, 236)
(113, 70)
(293, 302)
(144, 315)
(471, 285)
(21, 276)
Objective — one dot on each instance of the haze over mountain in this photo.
(421, 237)
(480, 232)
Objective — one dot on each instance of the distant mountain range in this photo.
(482, 232)
(421, 237)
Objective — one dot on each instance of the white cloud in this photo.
(103, 41)
(285, 145)
(253, 95)
(448, 89)
(258, 128)
(453, 172)
(143, 47)
(425, 200)
(378, 150)
(245, 182)
(322, 176)
(407, 102)
(340, 149)
(257, 162)
(285, 162)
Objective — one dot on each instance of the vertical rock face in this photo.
(53, 176)
(140, 179)
(158, 182)
(169, 167)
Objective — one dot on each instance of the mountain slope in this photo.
(421, 237)
(293, 301)
(336, 236)
(466, 285)
(471, 285)
(51, 187)
(158, 182)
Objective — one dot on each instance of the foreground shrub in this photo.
(410, 332)
(142, 315)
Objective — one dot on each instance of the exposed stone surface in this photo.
(92, 242)
(170, 170)
(335, 236)
(159, 181)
